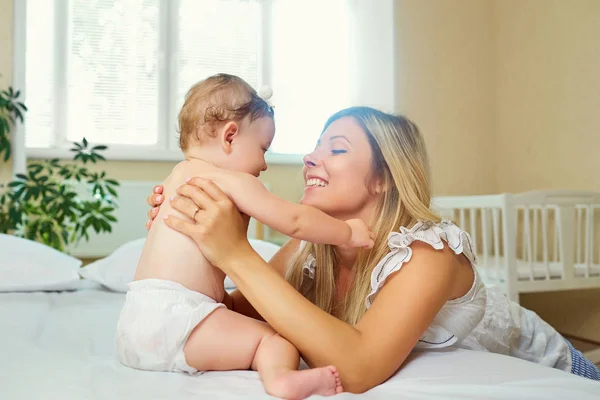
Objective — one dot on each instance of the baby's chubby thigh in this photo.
(224, 341)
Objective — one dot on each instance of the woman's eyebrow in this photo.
(340, 137)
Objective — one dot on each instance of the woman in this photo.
(365, 310)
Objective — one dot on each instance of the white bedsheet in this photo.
(61, 346)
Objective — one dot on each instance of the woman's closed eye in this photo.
(338, 151)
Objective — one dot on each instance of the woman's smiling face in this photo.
(337, 172)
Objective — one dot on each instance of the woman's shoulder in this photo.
(425, 242)
(436, 235)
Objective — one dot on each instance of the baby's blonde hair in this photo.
(400, 164)
(217, 99)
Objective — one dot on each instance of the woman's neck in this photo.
(348, 256)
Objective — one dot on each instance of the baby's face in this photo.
(248, 151)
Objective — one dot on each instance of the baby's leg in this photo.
(228, 341)
(289, 383)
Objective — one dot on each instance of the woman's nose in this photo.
(310, 160)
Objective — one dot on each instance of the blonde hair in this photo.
(400, 164)
(217, 99)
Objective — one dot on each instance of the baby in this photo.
(173, 318)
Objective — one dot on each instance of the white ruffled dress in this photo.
(484, 319)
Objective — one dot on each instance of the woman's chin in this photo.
(305, 201)
(309, 199)
(319, 204)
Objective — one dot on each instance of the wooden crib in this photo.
(533, 241)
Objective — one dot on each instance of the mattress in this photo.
(62, 346)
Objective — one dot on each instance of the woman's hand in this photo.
(154, 201)
(217, 227)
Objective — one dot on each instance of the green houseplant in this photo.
(44, 204)
(11, 110)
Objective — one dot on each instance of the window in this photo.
(116, 71)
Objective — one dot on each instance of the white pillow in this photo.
(27, 266)
(118, 269)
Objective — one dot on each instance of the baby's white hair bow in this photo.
(266, 93)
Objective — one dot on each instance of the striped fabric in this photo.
(582, 366)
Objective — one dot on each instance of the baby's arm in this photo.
(295, 220)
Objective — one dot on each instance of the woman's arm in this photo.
(365, 355)
(295, 220)
(372, 351)
(279, 264)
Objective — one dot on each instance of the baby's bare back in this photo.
(171, 255)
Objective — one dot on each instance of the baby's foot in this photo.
(302, 384)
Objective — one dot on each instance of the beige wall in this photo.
(6, 45)
(446, 86)
(547, 94)
(548, 120)
(507, 95)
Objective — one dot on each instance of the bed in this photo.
(60, 345)
(58, 342)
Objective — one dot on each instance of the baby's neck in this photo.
(200, 155)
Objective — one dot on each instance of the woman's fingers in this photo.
(185, 205)
(209, 187)
(152, 213)
(198, 195)
(187, 228)
(155, 200)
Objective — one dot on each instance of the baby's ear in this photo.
(228, 134)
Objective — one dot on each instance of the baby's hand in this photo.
(361, 235)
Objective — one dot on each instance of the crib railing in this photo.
(569, 222)
(533, 241)
(539, 246)
(587, 237)
(487, 220)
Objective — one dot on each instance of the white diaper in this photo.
(155, 323)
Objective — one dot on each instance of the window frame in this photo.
(167, 149)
